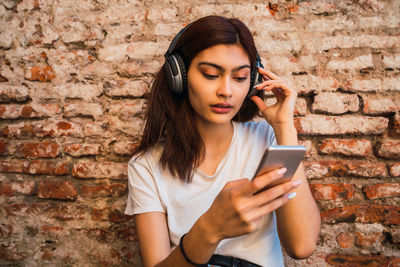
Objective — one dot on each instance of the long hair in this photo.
(169, 119)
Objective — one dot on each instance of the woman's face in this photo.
(218, 82)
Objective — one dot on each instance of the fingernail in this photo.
(281, 171)
(297, 182)
(291, 195)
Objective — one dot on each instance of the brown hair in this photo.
(169, 119)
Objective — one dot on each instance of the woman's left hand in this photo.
(281, 113)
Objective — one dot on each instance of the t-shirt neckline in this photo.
(222, 162)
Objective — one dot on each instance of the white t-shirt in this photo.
(154, 189)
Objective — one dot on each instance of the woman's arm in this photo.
(236, 211)
(299, 221)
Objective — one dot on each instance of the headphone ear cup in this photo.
(255, 78)
(183, 77)
(175, 71)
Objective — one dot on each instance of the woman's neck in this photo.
(215, 135)
(217, 139)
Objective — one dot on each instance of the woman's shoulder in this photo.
(147, 158)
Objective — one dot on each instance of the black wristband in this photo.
(186, 257)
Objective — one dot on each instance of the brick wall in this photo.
(74, 77)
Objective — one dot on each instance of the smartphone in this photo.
(276, 157)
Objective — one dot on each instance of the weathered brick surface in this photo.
(16, 188)
(333, 103)
(78, 150)
(9, 93)
(384, 190)
(395, 169)
(389, 149)
(57, 190)
(28, 111)
(361, 260)
(323, 169)
(387, 215)
(382, 105)
(37, 150)
(322, 125)
(346, 147)
(107, 170)
(332, 191)
(74, 82)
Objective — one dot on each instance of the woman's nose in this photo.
(225, 87)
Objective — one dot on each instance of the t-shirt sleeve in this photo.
(143, 193)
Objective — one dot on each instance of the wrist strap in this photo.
(186, 257)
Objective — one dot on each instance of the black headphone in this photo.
(175, 69)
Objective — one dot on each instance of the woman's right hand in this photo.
(238, 210)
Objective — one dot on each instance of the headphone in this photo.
(176, 73)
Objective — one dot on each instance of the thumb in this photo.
(236, 183)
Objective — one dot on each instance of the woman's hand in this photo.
(238, 210)
(281, 113)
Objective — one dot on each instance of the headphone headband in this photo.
(175, 69)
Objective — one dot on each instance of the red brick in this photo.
(17, 166)
(45, 229)
(374, 105)
(345, 240)
(323, 169)
(395, 234)
(40, 73)
(42, 129)
(369, 236)
(387, 215)
(4, 147)
(124, 147)
(101, 191)
(5, 230)
(109, 214)
(28, 111)
(34, 167)
(332, 125)
(361, 260)
(346, 147)
(384, 190)
(47, 167)
(17, 188)
(10, 251)
(395, 169)
(108, 170)
(57, 190)
(10, 93)
(100, 214)
(38, 150)
(78, 150)
(335, 103)
(389, 149)
(395, 131)
(332, 191)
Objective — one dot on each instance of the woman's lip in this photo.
(221, 109)
(222, 105)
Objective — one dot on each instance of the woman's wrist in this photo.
(286, 134)
(210, 234)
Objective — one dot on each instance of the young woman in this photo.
(189, 180)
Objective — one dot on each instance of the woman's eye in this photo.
(209, 76)
(240, 79)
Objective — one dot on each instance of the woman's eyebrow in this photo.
(221, 68)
